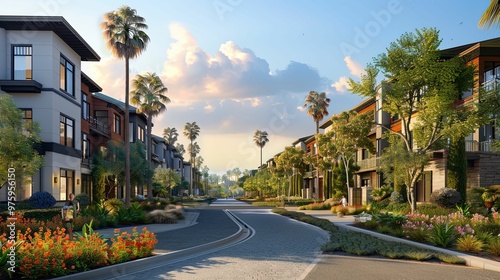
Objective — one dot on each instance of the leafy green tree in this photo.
(260, 138)
(419, 80)
(166, 179)
(456, 171)
(17, 139)
(191, 131)
(149, 94)
(291, 161)
(123, 30)
(348, 134)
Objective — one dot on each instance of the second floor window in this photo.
(23, 62)
(117, 125)
(85, 107)
(141, 134)
(66, 131)
(28, 118)
(67, 76)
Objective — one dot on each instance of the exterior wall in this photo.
(48, 105)
(489, 165)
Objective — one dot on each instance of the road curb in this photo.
(123, 269)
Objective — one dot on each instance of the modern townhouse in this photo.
(483, 165)
(40, 67)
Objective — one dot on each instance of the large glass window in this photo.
(66, 131)
(67, 183)
(140, 134)
(28, 118)
(23, 62)
(85, 107)
(67, 76)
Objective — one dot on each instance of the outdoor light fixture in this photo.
(78, 181)
(55, 180)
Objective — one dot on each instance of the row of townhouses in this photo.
(483, 164)
(40, 67)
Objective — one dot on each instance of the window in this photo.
(365, 154)
(67, 183)
(130, 132)
(140, 133)
(23, 62)
(117, 121)
(66, 76)
(85, 107)
(85, 146)
(66, 131)
(28, 118)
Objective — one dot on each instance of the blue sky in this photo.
(235, 66)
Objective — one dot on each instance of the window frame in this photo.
(85, 106)
(65, 136)
(63, 64)
(117, 123)
(14, 55)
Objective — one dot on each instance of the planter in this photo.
(340, 214)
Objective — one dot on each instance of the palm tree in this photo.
(317, 106)
(148, 95)
(170, 135)
(260, 138)
(191, 131)
(491, 16)
(124, 33)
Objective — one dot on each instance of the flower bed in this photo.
(50, 253)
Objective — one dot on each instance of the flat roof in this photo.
(56, 24)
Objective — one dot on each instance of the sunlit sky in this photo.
(235, 66)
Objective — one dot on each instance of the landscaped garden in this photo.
(35, 245)
(472, 228)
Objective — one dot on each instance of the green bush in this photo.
(446, 197)
(442, 235)
(396, 197)
(42, 200)
(83, 199)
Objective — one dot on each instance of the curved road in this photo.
(282, 248)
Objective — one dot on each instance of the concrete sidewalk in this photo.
(346, 222)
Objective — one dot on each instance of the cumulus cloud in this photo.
(341, 86)
(231, 73)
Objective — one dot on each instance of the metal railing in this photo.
(369, 163)
(475, 146)
(97, 125)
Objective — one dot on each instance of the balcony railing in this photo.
(98, 126)
(474, 146)
(369, 163)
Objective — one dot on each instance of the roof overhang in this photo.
(56, 24)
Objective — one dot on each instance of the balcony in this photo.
(98, 127)
(474, 146)
(369, 163)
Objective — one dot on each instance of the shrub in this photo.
(113, 204)
(42, 200)
(442, 235)
(446, 197)
(396, 197)
(381, 193)
(493, 247)
(83, 199)
(469, 243)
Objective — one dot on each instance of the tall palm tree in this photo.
(148, 95)
(170, 135)
(260, 138)
(491, 16)
(191, 131)
(124, 33)
(317, 106)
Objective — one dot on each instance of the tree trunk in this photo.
(149, 151)
(126, 132)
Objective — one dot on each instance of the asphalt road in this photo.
(281, 248)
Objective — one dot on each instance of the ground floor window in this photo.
(67, 183)
(87, 184)
(424, 187)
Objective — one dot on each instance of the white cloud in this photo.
(355, 69)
